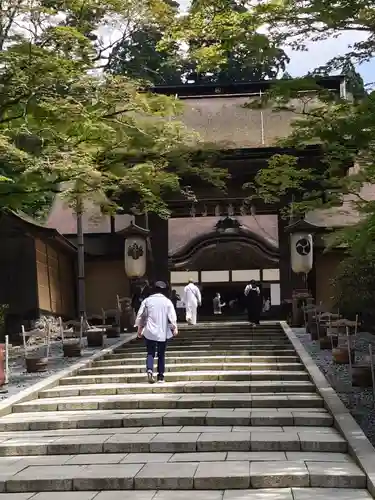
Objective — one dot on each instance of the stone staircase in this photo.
(238, 419)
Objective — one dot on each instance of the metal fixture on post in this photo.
(81, 259)
(228, 225)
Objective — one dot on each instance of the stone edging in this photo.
(52, 381)
(359, 446)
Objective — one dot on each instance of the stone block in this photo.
(42, 478)
(80, 404)
(257, 428)
(225, 417)
(240, 401)
(168, 476)
(312, 441)
(264, 494)
(77, 444)
(125, 495)
(142, 458)
(275, 441)
(18, 447)
(185, 418)
(317, 456)
(264, 418)
(174, 442)
(330, 493)
(16, 496)
(97, 458)
(335, 475)
(65, 495)
(314, 419)
(199, 457)
(124, 404)
(206, 428)
(166, 402)
(97, 422)
(226, 441)
(44, 460)
(161, 429)
(222, 475)
(194, 402)
(278, 474)
(143, 420)
(128, 443)
(107, 477)
(256, 456)
(187, 495)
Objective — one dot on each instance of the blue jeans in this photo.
(151, 346)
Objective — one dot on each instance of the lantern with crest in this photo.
(301, 247)
(135, 251)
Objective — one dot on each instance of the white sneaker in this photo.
(150, 378)
(161, 381)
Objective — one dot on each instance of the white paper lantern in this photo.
(301, 249)
(135, 256)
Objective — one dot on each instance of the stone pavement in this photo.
(238, 419)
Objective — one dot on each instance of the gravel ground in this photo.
(19, 379)
(358, 400)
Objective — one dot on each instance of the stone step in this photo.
(178, 342)
(305, 417)
(124, 360)
(209, 475)
(166, 401)
(232, 494)
(249, 330)
(229, 338)
(151, 440)
(197, 366)
(189, 376)
(166, 429)
(140, 351)
(180, 387)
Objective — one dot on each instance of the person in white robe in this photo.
(192, 299)
(157, 323)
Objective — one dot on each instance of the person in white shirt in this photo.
(157, 323)
(192, 299)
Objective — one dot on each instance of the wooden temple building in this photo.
(38, 263)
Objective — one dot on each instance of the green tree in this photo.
(222, 46)
(62, 120)
(137, 56)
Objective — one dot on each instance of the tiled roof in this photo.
(345, 215)
(228, 122)
(62, 218)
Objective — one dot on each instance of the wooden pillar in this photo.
(285, 268)
(289, 281)
(159, 245)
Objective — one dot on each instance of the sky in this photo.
(320, 52)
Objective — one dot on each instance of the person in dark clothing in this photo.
(136, 299)
(253, 302)
(146, 290)
(175, 298)
(141, 292)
